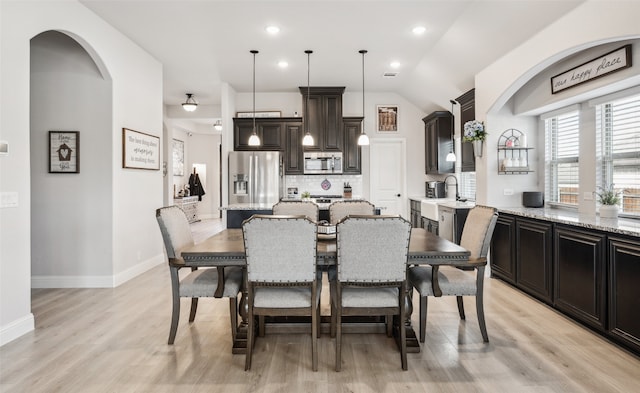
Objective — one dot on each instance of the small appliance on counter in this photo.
(435, 189)
(533, 199)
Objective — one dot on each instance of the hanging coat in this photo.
(195, 187)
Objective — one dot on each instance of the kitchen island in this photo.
(584, 266)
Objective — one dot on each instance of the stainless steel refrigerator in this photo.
(255, 177)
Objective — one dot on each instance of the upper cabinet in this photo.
(351, 155)
(324, 117)
(467, 103)
(438, 127)
(271, 131)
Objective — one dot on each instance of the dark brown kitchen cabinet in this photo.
(271, 132)
(580, 275)
(467, 103)
(533, 254)
(324, 117)
(624, 290)
(438, 143)
(503, 261)
(416, 216)
(351, 154)
(294, 160)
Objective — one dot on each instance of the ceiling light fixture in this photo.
(395, 64)
(218, 125)
(254, 140)
(272, 29)
(419, 30)
(308, 138)
(363, 139)
(283, 64)
(451, 157)
(190, 104)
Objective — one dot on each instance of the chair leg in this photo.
(332, 296)
(403, 332)
(194, 308)
(233, 313)
(460, 307)
(175, 315)
(389, 324)
(423, 318)
(338, 339)
(480, 304)
(250, 337)
(314, 336)
(261, 326)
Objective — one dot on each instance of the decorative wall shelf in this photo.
(513, 153)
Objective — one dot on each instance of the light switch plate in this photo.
(8, 199)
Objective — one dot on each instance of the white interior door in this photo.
(388, 172)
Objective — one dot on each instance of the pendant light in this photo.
(218, 125)
(451, 157)
(308, 138)
(254, 140)
(190, 104)
(363, 139)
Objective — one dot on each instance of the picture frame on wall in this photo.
(140, 150)
(178, 157)
(386, 118)
(64, 152)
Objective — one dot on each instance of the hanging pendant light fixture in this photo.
(254, 140)
(363, 139)
(451, 157)
(218, 126)
(190, 104)
(308, 138)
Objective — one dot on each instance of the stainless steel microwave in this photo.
(322, 163)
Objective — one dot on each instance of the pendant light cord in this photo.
(363, 53)
(254, 90)
(306, 109)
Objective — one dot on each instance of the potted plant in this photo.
(474, 132)
(306, 195)
(609, 199)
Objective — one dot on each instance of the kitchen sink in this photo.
(429, 208)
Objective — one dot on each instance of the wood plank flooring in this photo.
(115, 340)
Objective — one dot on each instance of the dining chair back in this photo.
(281, 273)
(305, 208)
(341, 209)
(215, 282)
(476, 238)
(371, 273)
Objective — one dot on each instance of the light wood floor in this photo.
(115, 340)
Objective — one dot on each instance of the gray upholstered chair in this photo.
(372, 272)
(304, 208)
(176, 234)
(341, 209)
(476, 237)
(281, 273)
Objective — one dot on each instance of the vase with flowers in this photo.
(609, 199)
(475, 133)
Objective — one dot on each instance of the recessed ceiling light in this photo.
(419, 30)
(272, 29)
(283, 64)
(395, 64)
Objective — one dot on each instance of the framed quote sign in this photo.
(140, 150)
(64, 152)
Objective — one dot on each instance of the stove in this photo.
(326, 198)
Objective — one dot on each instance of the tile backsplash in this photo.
(313, 184)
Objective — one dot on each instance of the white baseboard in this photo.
(96, 281)
(17, 328)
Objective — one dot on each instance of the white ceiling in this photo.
(204, 43)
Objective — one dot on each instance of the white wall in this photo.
(590, 24)
(136, 104)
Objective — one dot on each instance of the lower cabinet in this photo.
(416, 216)
(430, 225)
(624, 290)
(533, 254)
(503, 260)
(580, 286)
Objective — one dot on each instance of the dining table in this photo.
(226, 248)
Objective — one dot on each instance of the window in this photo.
(561, 158)
(467, 185)
(618, 149)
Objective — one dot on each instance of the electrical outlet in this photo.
(587, 196)
(508, 191)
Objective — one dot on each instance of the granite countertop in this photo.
(248, 206)
(625, 226)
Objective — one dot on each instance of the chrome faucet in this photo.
(456, 179)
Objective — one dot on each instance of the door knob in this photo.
(398, 195)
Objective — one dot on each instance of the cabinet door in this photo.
(467, 112)
(242, 130)
(271, 135)
(351, 158)
(270, 131)
(503, 263)
(624, 290)
(314, 117)
(534, 253)
(294, 160)
(579, 287)
(430, 147)
(333, 137)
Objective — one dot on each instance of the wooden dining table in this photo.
(226, 248)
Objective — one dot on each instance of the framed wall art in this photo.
(64, 152)
(140, 150)
(178, 157)
(387, 118)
